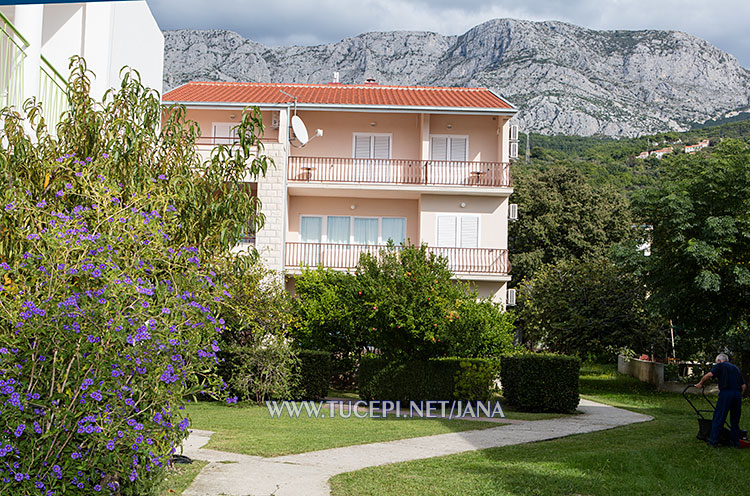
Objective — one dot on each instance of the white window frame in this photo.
(372, 144)
(324, 226)
(458, 228)
(448, 150)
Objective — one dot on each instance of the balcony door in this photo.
(337, 239)
(311, 232)
(374, 152)
(450, 154)
(224, 133)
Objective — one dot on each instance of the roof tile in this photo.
(337, 94)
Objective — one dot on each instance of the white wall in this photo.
(109, 35)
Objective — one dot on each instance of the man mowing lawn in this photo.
(731, 388)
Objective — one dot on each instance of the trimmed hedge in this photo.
(314, 374)
(541, 382)
(469, 379)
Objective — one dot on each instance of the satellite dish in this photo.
(300, 130)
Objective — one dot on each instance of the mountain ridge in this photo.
(612, 83)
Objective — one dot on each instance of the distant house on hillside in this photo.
(661, 152)
(643, 155)
(694, 148)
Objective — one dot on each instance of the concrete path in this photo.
(308, 473)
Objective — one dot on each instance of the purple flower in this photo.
(60, 193)
(68, 186)
(96, 395)
(105, 155)
(144, 304)
(184, 424)
(19, 430)
(165, 310)
(9, 206)
(111, 445)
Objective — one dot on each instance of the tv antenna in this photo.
(298, 126)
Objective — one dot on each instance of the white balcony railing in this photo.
(398, 171)
(487, 261)
(12, 56)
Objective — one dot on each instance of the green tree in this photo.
(403, 302)
(699, 269)
(562, 217)
(586, 307)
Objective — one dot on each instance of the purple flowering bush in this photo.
(109, 307)
(106, 327)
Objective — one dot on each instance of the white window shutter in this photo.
(514, 150)
(446, 230)
(513, 211)
(514, 132)
(381, 147)
(469, 231)
(459, 149)
(362, 146)
(438, 148)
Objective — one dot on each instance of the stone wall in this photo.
(272, 194)
(651, 372)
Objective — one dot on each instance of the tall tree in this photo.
(699, 269)
(563, 217)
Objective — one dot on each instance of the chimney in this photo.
(336, 77)
(371, 81)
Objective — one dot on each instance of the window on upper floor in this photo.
(449, 147)
(372, 146)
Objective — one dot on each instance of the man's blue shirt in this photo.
(729, 376)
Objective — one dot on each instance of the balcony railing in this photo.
(489, 261)
(53, 93)
(12, 55)
(398, 171)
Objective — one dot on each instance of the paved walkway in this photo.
(308, 473)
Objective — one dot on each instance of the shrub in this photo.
(403, 302)
(469, 379)
(260, 370)
(541, 382)
(109, 309)
(314, 374)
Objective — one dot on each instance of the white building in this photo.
(37, 41)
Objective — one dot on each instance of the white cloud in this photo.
(721, 22)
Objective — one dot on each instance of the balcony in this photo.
(478, 261)
(398, 172)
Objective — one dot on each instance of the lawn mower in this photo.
(704, 423)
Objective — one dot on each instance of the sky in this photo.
(724, 23)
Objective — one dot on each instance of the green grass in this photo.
(659, 457)
(249, 429)
(179, 478)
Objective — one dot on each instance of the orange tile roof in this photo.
(335, 94)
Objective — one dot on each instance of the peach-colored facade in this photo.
(374, 175)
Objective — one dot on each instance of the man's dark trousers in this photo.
(728, 402)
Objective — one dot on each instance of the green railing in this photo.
(12, 55)
(53, 93)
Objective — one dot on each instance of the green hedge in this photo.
(314, 374)
(470, 379)
(541, 382)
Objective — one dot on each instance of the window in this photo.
(352, 230)
(224, 133)
(372, 146)
(459, 231)
(454, 148)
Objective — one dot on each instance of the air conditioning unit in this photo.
(275, 120)
(513, 211)
(511, 300)
(514, 133)
(514, 150)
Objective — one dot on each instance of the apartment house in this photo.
(38, 39)
(385, 163)
(699, 146)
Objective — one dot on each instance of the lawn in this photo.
(658, 457)
(179, 478)
(249, 429)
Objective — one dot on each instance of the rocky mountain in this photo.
(565, 79)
